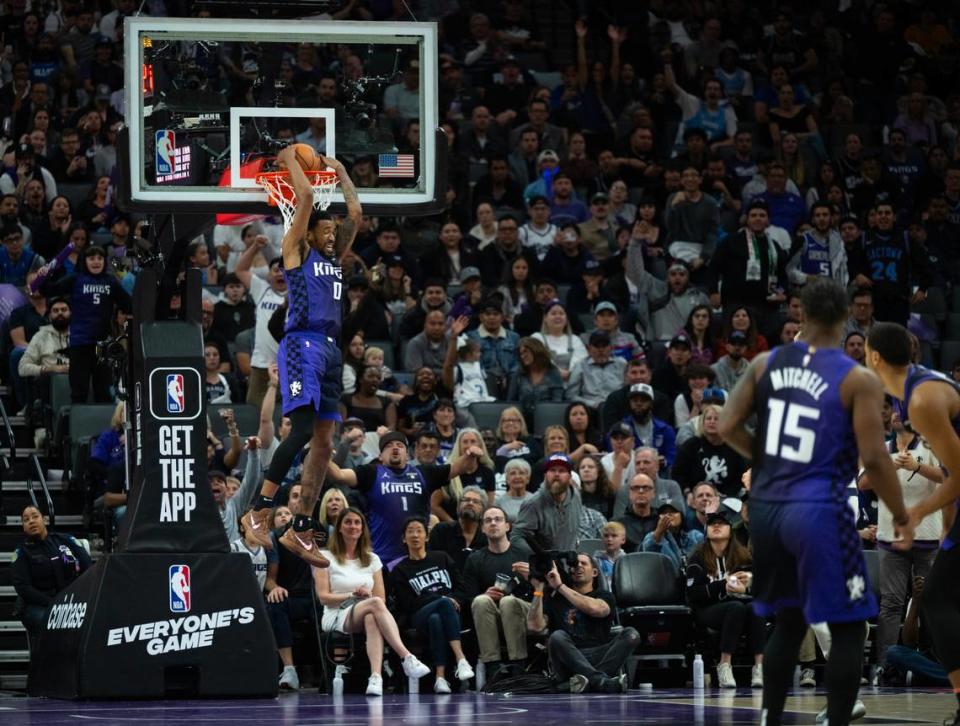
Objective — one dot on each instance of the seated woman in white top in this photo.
(566, 349)
(353, 597)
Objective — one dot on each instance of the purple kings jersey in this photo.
(396, 494)
(805, 450)
(815, 257)
(314, 292)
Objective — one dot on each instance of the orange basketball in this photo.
(307, 158)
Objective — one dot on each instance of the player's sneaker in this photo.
(257, 523)
(756, 676)
(859, 711)
(302, 544)
(289, 680)
(441, 685)
(464, 671)
(375, 685)
(413, 668)
(725, 677)
(578, 683)
(808, 678)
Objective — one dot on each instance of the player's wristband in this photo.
(538, 593)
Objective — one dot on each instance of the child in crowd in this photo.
(614, 538)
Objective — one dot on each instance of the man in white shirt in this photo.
(538, 234)
(267, 296)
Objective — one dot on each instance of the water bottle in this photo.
(481, 674)
(796, 677)
(338, 681)
(413, 685)
(697, 672)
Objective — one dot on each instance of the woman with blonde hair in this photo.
(514, 440)
(332, 503)
(479, 473)
(353, 596)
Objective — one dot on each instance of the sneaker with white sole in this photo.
(441, 685)
(859, 711)
(725, 677)
(375, 685)
(808, 678)
(413, 668)
(464, 671)
(289, 681)
(756, 676)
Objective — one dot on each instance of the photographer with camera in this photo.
(581, 648)
(552, 517)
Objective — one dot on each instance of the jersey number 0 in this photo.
(785, 420)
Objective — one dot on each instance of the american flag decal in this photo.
(398, 166)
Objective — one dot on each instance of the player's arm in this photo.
(739, 408)
(347, 229)
(293, 237)
(862, 393)
(930, 415)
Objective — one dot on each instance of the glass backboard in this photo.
(209, 102)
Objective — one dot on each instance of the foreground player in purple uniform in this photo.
(815, 409)
(931, 407)
(309, 358)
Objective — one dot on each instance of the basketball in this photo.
(307, 158)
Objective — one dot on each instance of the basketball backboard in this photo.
(209, 102)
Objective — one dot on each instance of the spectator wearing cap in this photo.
(599, 232)
(664, 307)
(428, 348)
(606, 318)
(102, 71)
(617, 404)
(496, 187)
(566, 349)
(468, 302)
(567, 258)
(750, 270)
(547, 162)
(433, 297)
(524, 160)
(708, 458)
(564, 205)
(538, 234)
(598, 375)
(588, 291)
(536, 379)
(731, 366)
(647, 429)
(496, 258)
(16, 261)
(552, 517)
(639, 519)
(14, 181)
(670, 538)
(670, 376)
(233, 312)
(450, 256)
(351, 451)
(719, 586)
(618, 462)
(498, 345)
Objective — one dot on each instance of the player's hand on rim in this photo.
(286, 157)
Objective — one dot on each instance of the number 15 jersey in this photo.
(804, 450)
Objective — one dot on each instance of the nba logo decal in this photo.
(175, 400)
(166, 143)
(179, 578)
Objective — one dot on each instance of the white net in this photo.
(281, 192)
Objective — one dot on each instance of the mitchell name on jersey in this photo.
(801, 378)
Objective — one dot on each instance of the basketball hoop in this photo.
(280, 192)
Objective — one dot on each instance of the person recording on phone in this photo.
(582, 651)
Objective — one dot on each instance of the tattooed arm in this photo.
(347, 229)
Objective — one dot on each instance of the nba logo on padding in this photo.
(175, 399)
(166, 143)
(179, 578)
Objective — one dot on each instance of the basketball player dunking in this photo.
(930, 404)
(309, 359)
(816, 408)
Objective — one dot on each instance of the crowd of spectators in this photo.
(623, 233)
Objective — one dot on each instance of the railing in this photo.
(37, 471)
(8, 430)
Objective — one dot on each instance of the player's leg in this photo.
(941, 613)
(321, 451)
(257, 519)
(844, 668)
(779, 662)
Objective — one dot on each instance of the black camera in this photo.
(542, 562)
